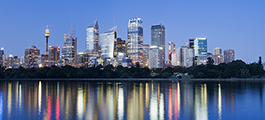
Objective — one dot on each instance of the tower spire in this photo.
(47, 35)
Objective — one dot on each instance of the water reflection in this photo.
(219, 102)
(130, 100)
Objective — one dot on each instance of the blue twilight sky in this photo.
(237, 24)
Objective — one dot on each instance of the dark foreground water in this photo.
(184, 100)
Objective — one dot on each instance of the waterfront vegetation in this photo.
(235, 69)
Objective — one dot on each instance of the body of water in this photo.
(176, 100)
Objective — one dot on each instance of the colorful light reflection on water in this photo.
(179, 100)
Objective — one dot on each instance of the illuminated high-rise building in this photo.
(185, 56)
(10, 61)
(217, 55)
(146, 55)
(31, 55)
(92, 39)
(69, 50)
(191, 43)
(22, 60)
(108, 43)
(171, 49)
(54, 55)
(200, 50)
(1, 56)
(157, 49)
(200, 47)
(121, 45)
(82, 59)
(4, 60)
(229, 55)
(135, 40)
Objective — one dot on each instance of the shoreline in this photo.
(130, 79)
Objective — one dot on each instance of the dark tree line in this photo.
(235, 69)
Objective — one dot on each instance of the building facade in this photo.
(31, 55)
(92, 39)
(82, 59)
(217, 55)
(121, 45)
(157, 45)
(171, 49)
(191, 43)
(1, 56)
(135, 40)
(229, 55)
(153, 57)
(69, 50)
(200, 50)
(54, 55)
(146, 55)
(108, 42)
(184, 56)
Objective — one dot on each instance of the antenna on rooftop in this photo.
(72, 31)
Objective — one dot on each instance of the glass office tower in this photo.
(200, 47)
(108, 42)
(157, 45)
(54, 55)
(92, 39)
(200, 50)
(69, 50)
(135, 40)
(229, 55)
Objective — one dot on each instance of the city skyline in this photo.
(226, 25)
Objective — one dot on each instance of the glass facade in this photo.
(108, 43)
(31, 55)
(54, 55)
(92, 39)
(146, 55)
(184, 56)
(153, 57)
(217, 55)
(171, 49)
(121, 45)
(69, 50)
(200, 47)
(229, 55)
(158, 41)
(191, 43)
(135, 40)
(1, 56)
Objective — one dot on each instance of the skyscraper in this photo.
(229, 55)
(1, 56)
(191, 43)
(217, 55)
(135, 40)
(200, 50)
(146, 55)
(121, 45)
(157, 49)
(185, 56)
(31, 55)
(69, 50)
(171, 49)
(54, 55)
(82, 59)
(10, 61)
(92, 39)
(108, 42)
